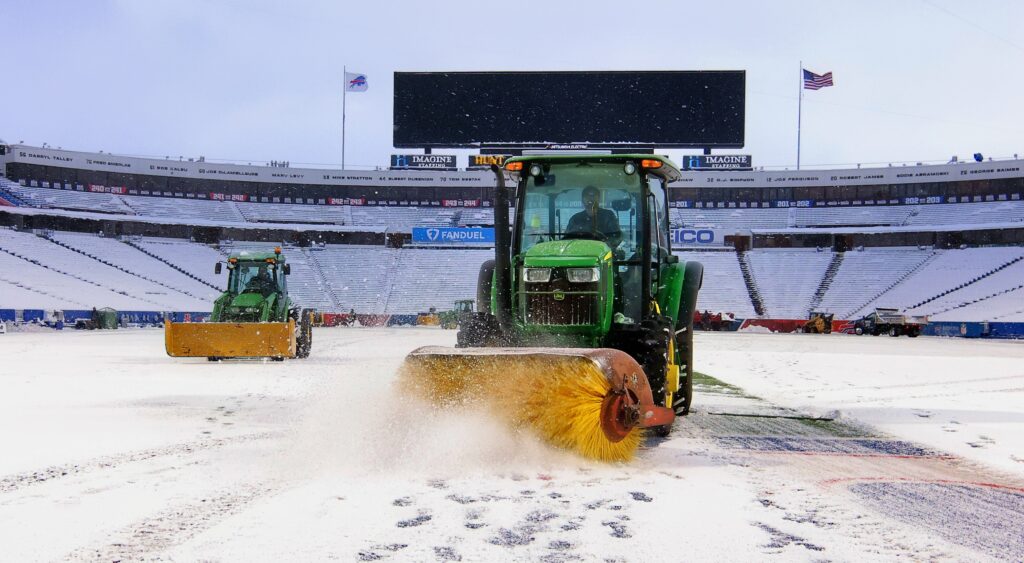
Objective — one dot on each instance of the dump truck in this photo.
(253, 318)
(818, 323)
(891, 322)
(583, 327)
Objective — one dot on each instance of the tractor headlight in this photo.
(538, 275)
(583, 275)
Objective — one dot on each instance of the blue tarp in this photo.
(6, 314)
(33, 315)
(1006, 330)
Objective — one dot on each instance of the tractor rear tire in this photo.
(693, 280)
(304, 338)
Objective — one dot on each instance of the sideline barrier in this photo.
(772, 325)
(372, 320)
(7, 315)
(29, 315)
(399, 320)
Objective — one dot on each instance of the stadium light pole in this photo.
(344, 91)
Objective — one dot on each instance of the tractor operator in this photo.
(594, 219)
(262, 282)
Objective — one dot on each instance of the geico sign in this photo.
(699, 236)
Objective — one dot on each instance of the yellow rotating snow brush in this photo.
(594, 402)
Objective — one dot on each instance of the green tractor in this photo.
(450, 319)
(587, 276)
(254, 317)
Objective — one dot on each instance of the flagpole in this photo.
(799, 110)
(344, 89)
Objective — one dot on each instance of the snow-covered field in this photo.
(803, 447)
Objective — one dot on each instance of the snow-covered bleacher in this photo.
(730, 218)
(205, 210)
(294, 213)
(948, 270)
(851, 216)
(866, 274)
(45, 266)
(1007, 279)
(69, 199)
(787, 279)
(130, 259)
(358, 277)
(434, 278)
(186, 256)
(967, 213)
(724, 289)
(1003, 307)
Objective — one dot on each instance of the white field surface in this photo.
(113, 451)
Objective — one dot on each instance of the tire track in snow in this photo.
(19, 481)
(172, 526)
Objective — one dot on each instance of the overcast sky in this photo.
(247, 80)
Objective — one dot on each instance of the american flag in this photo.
(816, 81)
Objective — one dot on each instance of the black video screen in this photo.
(614, 109)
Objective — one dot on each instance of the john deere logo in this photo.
(432, 234)
(559, 296)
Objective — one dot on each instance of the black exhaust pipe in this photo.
(502, 254)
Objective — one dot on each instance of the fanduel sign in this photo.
(423, 161)
(453, 235)
(717, 162)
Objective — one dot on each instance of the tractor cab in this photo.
(589, 241)
(257, 288)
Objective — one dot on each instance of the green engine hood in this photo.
(248, 300)
(560, 253)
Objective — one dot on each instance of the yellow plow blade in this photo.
(230, 340)
(575, 399)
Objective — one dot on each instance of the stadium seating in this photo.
(213, 211)
(69, 199)
(866, 274)
(947, 271)
(193, 259)
(67, 277)
(724, 290)
(130, 259)
(426, 278)
(787, 279)
(358, 277)
(293, 213)
(1004, 307)
(1001, 282)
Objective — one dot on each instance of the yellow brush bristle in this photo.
(558, 398)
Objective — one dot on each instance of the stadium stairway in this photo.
(122, 268)
(314, 266)
(748, 279)
(826, 281)
(967, 283)
(170, 265)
